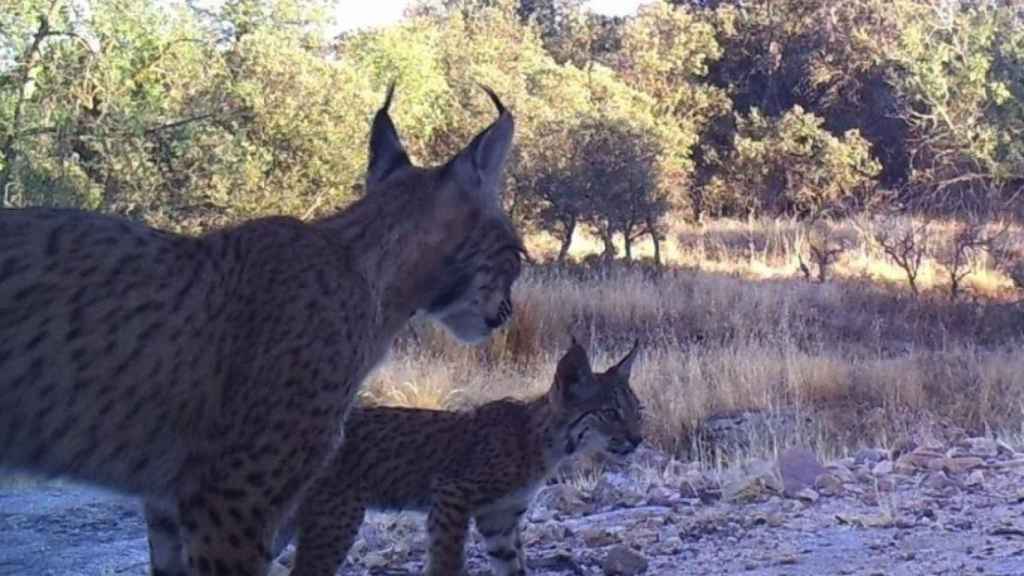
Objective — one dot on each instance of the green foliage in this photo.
(959, 74)
(792, 165)
(191, 118)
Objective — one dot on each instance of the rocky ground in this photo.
(929, 510)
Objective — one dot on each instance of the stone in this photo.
(799, 469)
(883, 468)
(794, 506)
(788, 560)
(886, 484)
(807, 495)
(1005, 450)
(561, 498)
(962, 464)
(597, 537)
(863, 475)
(618, 490)
(842, 472)
(670, 546)
(880, 520)
(921, 459)
(621, 561)
(375, 560)
(771, 518)
(547, 532)
(756, 480)
(829, 484)
(661, 496)
(541, 514)
(980, 446)
(938, 481)
(975, 478)
(904, 468)
(901, 447)
(869, 456)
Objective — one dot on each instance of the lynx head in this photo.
(471, 252)
(596, 412)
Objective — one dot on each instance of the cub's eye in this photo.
(612, 414)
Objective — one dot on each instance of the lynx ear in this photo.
(386, 152)
(573, 378)
(625, 366)
(479, 166)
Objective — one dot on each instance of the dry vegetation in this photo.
(733, 325)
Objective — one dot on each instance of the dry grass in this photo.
(731, 326)
(771, 249)
(868, 364)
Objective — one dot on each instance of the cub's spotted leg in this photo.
(328, 522)
(166, 550)
(503, 541)
(447, 522)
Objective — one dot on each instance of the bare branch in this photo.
(905, 242)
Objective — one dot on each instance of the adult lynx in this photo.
(211, 375)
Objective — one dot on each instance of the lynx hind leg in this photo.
(501, 531)
(167, 555)
(447, 522)
(327, 523)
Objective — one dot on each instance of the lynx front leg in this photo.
(166, 550)
(503, 541)
(447, 523)
(224, 538)
(228, 526)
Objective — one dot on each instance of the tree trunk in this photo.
(657, 248)
(563, 251)
(9, 149)
(609, 246)
(628, 241)
(696, 205)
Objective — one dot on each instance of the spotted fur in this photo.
(485, 464)
(211, 375)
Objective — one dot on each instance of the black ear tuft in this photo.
(386, 152)
(480, 165)
(495, 99)
(625, 366)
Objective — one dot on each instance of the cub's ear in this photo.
(479, 166)
(625, 366)
(386, 152)
(574, 379)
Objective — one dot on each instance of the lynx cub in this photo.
(211, 375)
(485, 464)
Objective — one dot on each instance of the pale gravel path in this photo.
(76, 531)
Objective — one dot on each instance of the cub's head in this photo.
(595, 412)
(470, 252)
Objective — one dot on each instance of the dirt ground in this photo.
(929, 513)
